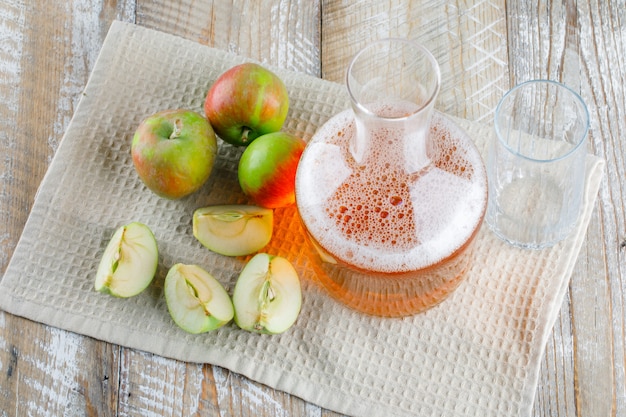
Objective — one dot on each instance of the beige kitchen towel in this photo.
(475, 354)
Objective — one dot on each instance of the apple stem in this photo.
(177, 129)
(245, 133)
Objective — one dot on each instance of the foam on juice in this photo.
(375, 214)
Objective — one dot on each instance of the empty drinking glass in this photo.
(536, 164)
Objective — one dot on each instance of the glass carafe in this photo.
(391, 192)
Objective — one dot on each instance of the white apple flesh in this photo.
(129, 261)
(196, 301)
(267, 296)
(233, 230)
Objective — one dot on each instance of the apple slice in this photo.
(196, 301)
(267, 296)
(129, 261)
(233, 230)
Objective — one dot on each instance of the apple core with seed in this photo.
(267, 295)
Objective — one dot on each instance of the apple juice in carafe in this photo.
(391, 196)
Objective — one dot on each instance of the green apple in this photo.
(196, 301)
(267, 295)
(129, 261)
(173, 152)
(267, 169)
(233, 230)
(245, 102)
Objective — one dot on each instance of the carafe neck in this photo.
(392, 133)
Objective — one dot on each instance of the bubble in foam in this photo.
(376, 216)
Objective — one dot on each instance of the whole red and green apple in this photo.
(246, 102)
(267, 169)
(174, 151)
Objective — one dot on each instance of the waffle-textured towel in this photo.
(477, 353)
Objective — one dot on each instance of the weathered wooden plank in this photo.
(599, 299)
(47, 371)
(12, 198)
(593, 327)
(467, 39)
(285, 33)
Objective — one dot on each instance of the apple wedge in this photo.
(129, 261)
(267, 296)
(196, 301)
(233, 230)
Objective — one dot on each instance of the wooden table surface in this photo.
(48, 48)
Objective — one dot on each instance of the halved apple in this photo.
(267, 296)
(129, 261)
(233, 230)
(196, 301)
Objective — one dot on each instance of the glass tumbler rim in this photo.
(406, 41)
(576, 97)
